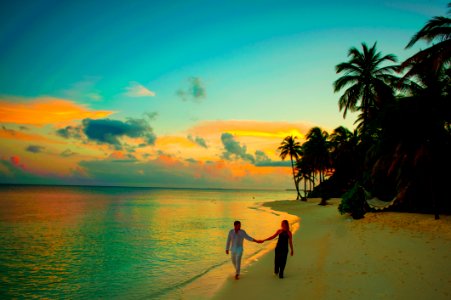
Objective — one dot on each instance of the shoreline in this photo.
(386, 255)
(211, 282)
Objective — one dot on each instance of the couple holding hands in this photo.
(235, 246)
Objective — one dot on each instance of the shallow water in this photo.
(121, 243)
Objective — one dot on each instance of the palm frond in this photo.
(343, 81)
(436, 28)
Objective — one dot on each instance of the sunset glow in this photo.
(180, 95)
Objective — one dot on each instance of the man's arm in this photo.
(247, 237)
(229, 240)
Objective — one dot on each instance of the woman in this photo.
(285, 238)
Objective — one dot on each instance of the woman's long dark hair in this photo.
(286, 224)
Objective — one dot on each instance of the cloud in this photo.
(253, 128)
(272, 163)
(107, 131)
(151, 115)
(67, 153)
(84, 90)
(46, 110)
(35, 148)
(198, 140)
(70, 132)
(233, 149)
(8, 131)
(195, 91)
(166, 171)
(261, 157)
(119, 156)
(11, 134)
(13, 170)
(137, 90)
(15, 161)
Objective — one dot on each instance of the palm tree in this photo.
(428, 72)
(416, 154)
(316, 151)
(339, 137)
(367, 82)
(304, 172)
(437, 30)
(291, 147)
(346, 157)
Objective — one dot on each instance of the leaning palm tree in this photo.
(429, 67)
(291, 147)
(437, 31)
(366, 81)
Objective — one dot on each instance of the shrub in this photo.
(353, 202)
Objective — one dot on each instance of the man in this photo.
(235, 240)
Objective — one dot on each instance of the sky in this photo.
(178, 93)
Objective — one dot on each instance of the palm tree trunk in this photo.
(310, 182)
(305, 189)
(294, 179)
(314, 178)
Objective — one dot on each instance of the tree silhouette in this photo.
(291, 147)
(366, 82)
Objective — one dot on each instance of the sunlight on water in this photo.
(77, 242)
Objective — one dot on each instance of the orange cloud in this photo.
(250, 128)
(46, 110)
(163, 142)
(264, 136)
(117, 155)
(15, 160)
(19, 135)
(182, 146)
(168, 161)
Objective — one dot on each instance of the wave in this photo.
(161, 294)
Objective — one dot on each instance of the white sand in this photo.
(384, 256)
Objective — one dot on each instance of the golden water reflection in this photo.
(116, 242)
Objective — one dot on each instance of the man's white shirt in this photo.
(235, 240)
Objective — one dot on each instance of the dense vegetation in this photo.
(402, 142)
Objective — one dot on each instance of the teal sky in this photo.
(252, 56)
(187, 62)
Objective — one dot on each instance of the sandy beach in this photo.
(386, 255)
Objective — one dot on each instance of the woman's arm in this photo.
(290, 240)
(272, 236)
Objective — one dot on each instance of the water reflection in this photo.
(75, 242)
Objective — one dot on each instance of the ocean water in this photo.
(124, 243)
